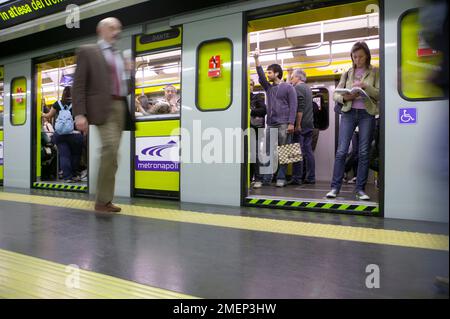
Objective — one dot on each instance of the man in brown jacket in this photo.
(99, 95)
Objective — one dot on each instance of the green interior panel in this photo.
(18, 101)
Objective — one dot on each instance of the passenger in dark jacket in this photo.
(258, 113)
(304, 127)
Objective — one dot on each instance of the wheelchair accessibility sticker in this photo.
(407, 116)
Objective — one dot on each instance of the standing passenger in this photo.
(281, 111)
(357, 111)
(100, 88)
(258, 111)
(68, 141)
(304, 130)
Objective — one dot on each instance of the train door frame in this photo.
(379, 211)
(2, 94)
(160, 36)
(33, 178)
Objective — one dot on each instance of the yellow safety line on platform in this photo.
(350, 233)
(27, 277)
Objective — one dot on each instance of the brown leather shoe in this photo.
(108, 208)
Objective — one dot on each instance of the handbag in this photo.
(289, 153)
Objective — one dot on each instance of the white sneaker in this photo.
(352, 181)
(281, 183)
(83, 173)
(257, 185)
(360, 195)
(333, 193)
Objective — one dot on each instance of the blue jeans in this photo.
(69, 149)
(349, 121)
(351, 163)
(283, 138)
(305, 138)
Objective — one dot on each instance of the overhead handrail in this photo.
(156, 84)
(330, 59)
(162, 67)
(295, 49)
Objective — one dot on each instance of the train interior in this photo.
(322, 49)
(52, 78)
(154, 73)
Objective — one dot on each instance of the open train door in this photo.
(211, 107)
(318, 40)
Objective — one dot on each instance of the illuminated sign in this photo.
(160, 36)
(20, 11)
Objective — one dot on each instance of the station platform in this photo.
(167, 249)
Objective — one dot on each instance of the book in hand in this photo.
(354, 90)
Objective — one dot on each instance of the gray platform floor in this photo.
(216, 262)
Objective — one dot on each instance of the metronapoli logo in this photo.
(157, 149)
(160, 153)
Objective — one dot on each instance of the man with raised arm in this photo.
(281, 111)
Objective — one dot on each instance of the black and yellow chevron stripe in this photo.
(312, 205)
(66, 187)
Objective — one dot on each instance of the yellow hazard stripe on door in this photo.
(313, 205)
(67, 187)
(23, 276)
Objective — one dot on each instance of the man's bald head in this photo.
(109, 29)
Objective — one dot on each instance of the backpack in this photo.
(64, 121)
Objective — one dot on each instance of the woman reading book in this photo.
(358, 110)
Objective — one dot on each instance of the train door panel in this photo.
(17, 124)
(212, 105)
(416, 145)
(319, 42)
(157, 104)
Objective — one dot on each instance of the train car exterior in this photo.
(412, 180)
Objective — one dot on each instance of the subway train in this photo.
(201, 60)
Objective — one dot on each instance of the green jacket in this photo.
(372, 79)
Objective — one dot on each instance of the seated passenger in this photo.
(69, 144)
(171, 97)
(47, 130)
(139, 111)
(161, 107)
